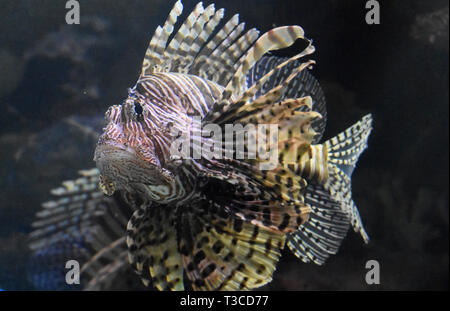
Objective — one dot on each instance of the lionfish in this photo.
(209, 223)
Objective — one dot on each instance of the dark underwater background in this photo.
(56, 81)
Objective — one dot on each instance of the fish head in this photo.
(128, 153)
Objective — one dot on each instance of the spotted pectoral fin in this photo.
(152, 247)
(221, 252)
(277, 205)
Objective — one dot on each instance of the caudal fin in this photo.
(332, 206)
(345, 148)
(343, 153)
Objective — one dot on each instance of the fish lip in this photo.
(109, 148)
(106, 154)
(115, 157)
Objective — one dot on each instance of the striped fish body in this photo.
(211, 223)
(164, 102)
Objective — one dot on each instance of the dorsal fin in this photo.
(176, 50)
(224, 58)
(269, 72)
(196, 47)
(155, 51)
(191, 45)
(274, 39)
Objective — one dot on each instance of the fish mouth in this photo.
(122, 166)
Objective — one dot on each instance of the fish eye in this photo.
(138, 109)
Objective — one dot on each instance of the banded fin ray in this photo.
(274, 81)
(107, 276)
(345, 148)
(321, 235)
(205, 58)
(176, 50)
(332, 207)
(224, 253)
(348, 145)
(304, 84)
(154, 55)
(275, 209)
(90, 226)
(274, 39)
(282, 208)
(153, 248)
(195, 47)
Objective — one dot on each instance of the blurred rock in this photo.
(432, 28)
(14, 258)
(72, 42)
(33, 163)
(12, 65)
(12, 68)
(62, 75)
(64, 147)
